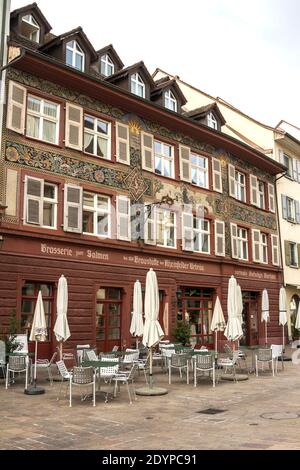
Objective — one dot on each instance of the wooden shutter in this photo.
(123, 218)
(253, 190)
(231, 180)
(295, 170)
(256, 246)
(271, 193)
(287, 253)
(150, 225)
(74, 126)
(72, 208)
(217, 175)
(297, 212)
(122, 143)
(219, 238)
(275, 250)
(233, 231)
(187, 229)
(284, 206)
(147, 151)
(185, 164)
(34, 189)
(16, 107)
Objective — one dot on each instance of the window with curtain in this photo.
(75, 55)
(96, 218)
(97, 137)
(199, 170)
(164, 159)
(42, 121)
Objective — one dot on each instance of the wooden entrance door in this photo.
(250, 319)
(108, 318)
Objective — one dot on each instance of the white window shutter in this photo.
(219, 238)
(217, 175)
(187, 230)
(281, 156)
(122, 143)
(147, 151)
(253, 190)
(185, 164)
(123, 218)
(256, 256)
(74, 126)
(295, 169)
(34, 190)
(275, 250)
(297, 212)
(233, 231)
(73, 208)
(298, 171)
(284, 206)
(150, 225)
(271, 192)
(16, 107)
(231, 180)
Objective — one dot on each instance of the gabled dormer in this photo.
(28, 25)
(73, 48)
(108, 62)
(209, 115)
(168, 94)
(135, 79)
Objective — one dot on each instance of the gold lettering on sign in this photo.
(256, 275)
(97, 255)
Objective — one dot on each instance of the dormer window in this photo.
(137, 85)
(30, 28)
(211, 121)
(107, 66)
(170, 101)
(75, 56)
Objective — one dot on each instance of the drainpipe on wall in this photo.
(4, 33)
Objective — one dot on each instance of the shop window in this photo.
(30, 292)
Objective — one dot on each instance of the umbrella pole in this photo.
(150, 371)
(283, 338)
(60, 351)
(136, 343)
(216, 340)
(266, 327)
(35, 359)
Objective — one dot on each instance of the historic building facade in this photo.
(102, 177)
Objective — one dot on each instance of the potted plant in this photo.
(182, 332)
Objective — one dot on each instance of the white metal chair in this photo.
(46, 364)
(241, 355)
(277, 353)
(82, 377)
(167, 353)
(64, 373)
(229, 363)
(115, 348)
(3, 357)
(91, 355)
(108, 373)
(179, 362)
(126, 379)
(22, 342)
(17, 364)
(264, 356)
(80, 351)
(144, 366)
(204, 363)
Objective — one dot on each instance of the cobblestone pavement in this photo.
(259, 413)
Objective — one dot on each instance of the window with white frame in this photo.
(240, 186)
(107, 66)
(264, 248)
(199, 170)
(261, 194)
(290, 204)
(288, 162)
(293, 254)
(42, 119)
(164, 159)
(96, 217)
(75, 56)
(96, 137)
(170, 101)
(242, 243)
(211, 121)
(137, 86)
(30, 28)
(201, 231)
(165, 228)
(40, 203)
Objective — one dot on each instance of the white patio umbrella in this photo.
(265, 312)
(153, 332)
(38, 333)
(218, 321)
(282, 311)
(240, 306)
(61, 327)
(233, 330)
(137, 325)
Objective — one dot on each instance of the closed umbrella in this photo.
(137, 325)
(265, 312)
(233, 330)
(61, 327)
(282, 311)
(38, 333)
(153, 332)
(240, 306)
(217, 322)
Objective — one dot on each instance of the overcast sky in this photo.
(244, 51)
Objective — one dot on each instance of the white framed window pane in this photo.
(157, 147)
(102, 127)
(102, 147)
(69, 57)
(88, 222)
(103, 203)
(49, 131)
(48, 214)
(102, 224)
(88, 199)
(33, 126)
(88, 143)
(34, 104)
(158, 165)
(167, 168)
(49, 191)
(79, 62)
(50, 109)
(89, 122)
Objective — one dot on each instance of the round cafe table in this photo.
(99, 365)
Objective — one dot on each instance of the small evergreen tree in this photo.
(182, 331)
